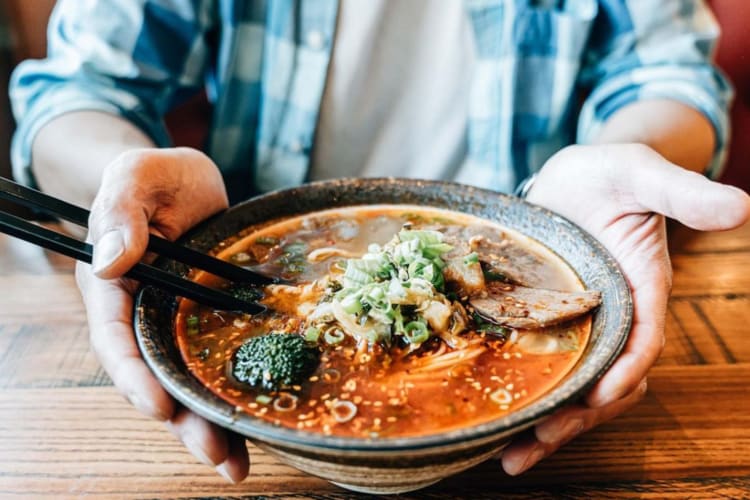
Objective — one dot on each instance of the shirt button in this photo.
(315, 40)
(295, 147)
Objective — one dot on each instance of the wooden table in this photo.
(65, 431)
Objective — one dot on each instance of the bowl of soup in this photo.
(415, 327)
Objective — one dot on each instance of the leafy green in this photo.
(484, 326)
(293, 257)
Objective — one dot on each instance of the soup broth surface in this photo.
(393, 392)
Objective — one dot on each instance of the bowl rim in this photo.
(222, 413)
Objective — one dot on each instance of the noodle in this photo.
(445, 361)
(400, 351)
(324, 253)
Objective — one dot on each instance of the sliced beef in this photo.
(521, 307)
(499, 254)
(464, 278)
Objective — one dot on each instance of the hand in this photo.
(166, 192)
(620, 194)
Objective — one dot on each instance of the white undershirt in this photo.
(396, 96)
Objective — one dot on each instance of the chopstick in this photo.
(55, 207)
(147, 274)
(150, 275)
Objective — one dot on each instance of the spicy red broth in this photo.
(372, 388)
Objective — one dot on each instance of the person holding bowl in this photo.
(605, 111)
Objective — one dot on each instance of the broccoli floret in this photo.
(274, 361)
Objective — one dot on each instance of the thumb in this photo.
(689, 197)
(118, 228)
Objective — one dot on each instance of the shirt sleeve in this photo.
(135, 58)
(647, 49)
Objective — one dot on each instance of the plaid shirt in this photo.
(548, 74)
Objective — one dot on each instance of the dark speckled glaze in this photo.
(395, 464)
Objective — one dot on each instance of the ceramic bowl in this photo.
(393, 465)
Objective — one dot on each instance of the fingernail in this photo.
(532, 458)
(192, 445)
(223, 471)
(559, 432)
(107, 250)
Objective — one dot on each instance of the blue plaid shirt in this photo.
(548, 74)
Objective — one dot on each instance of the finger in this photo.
(560, 428)
(170, 189)
(237, 464)
(564, 425)
(118, 229)
(211, 444)
(650, 279)
(109, 308)
(644, 346)
(662, 187)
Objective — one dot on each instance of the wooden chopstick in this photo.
(150, 275)
(55, 207)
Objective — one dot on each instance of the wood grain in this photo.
(67, 440)
(684, 240)
(65, 432)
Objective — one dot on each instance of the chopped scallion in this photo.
(334, 336)
(263, 399)
(472, 258)
(193, 325)
(416, 332)
(312, 334)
